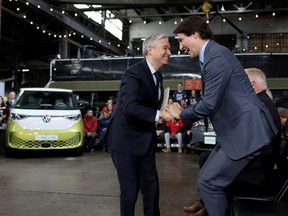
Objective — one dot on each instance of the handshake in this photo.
(171, 111)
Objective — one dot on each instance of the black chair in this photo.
(269, 202)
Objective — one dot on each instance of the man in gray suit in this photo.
(242, 122)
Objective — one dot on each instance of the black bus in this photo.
(101, 76)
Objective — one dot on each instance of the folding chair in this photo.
(266, 205)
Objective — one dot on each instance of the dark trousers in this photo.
(137, 173)
(89, 141)
(217, 173)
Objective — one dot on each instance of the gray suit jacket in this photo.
(241, 121)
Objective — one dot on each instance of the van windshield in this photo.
(46, 100)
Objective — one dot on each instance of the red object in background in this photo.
(193, 84)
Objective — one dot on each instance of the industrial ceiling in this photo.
(32, 29)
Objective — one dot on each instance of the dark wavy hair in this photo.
(3, 102)
(193, 24)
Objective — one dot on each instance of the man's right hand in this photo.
(165, 115)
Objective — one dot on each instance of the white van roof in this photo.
(46, 89)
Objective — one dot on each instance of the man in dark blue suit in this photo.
(241, 121)
(131, 133)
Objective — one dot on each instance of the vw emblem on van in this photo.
(46, 118)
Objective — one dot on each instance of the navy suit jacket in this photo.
(132, 129)
(241, 121)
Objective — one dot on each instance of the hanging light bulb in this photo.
(222, 8)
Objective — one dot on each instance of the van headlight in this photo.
(16, 116)
(74, 117)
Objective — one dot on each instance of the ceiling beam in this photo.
(62, 18)
(136, 2)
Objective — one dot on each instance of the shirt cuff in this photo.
(157, 116)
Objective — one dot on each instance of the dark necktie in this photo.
(201, 66)
(158, 75)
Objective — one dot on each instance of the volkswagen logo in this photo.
(46, 118)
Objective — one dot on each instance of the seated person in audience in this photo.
(102, 128)
(283, 113)
(109, 108)
(90, 127)
(193, 98)
(179, 94)
(4, 112)
(183, 103)
(174, 130)
(109, 101)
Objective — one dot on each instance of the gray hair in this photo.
(151, 41)
(257, 75)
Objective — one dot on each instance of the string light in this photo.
(49, 33)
